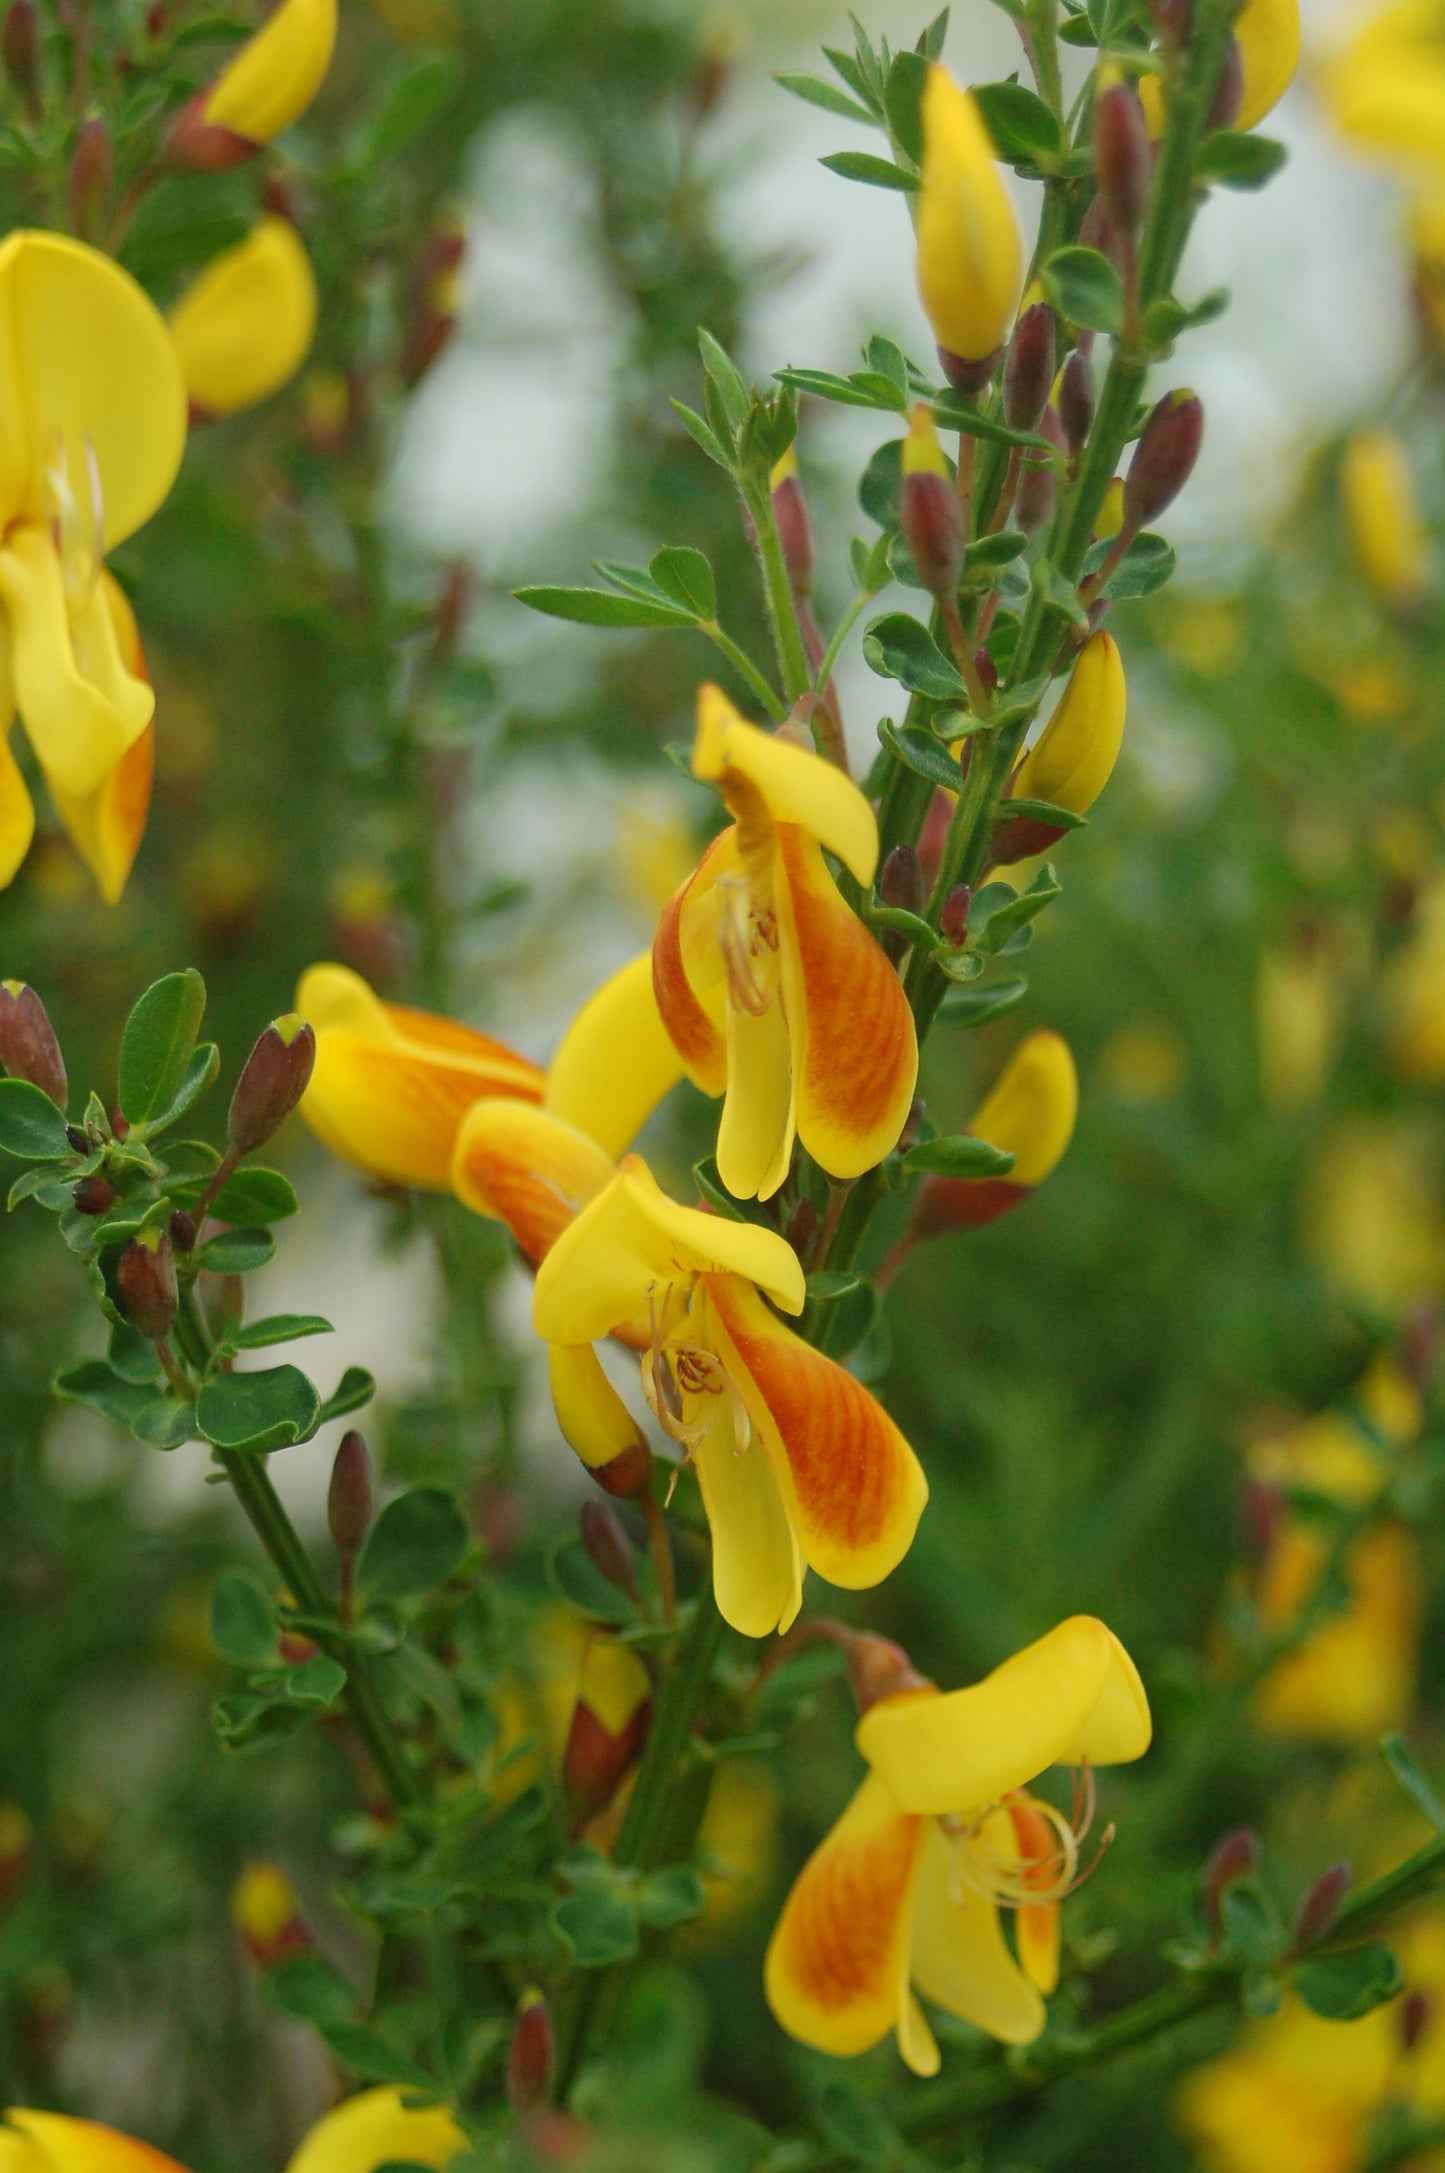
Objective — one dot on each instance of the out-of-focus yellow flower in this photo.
(762, 973)
(1030, 1113)
(276, 74)
(375, 2129)
(94, 430)
(738, 1839)
(1111, 511)
(1296, 2094)
(655, 849)
(608, 1725)
(1074, 756)
(1267, 33)
(245, 326)
(1385, 87)
(1370, 1219)
(1413, 993)
(1143, 1062)
(970, 259)
(1382, 516)
(422, 22)
(906, 1889)
(1297, 1023)
(267, 1914)
(1208, 633)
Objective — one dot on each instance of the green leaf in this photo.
(881, 483)
(1165, 319)
(857, 2126)
(976, 1006)
(1397, 1757)
(581, 1583)
(903, 102)
(485, 1853)
(1059, 818)
(847, 67)
(815, 92)
(257, 1412)
(309, 1989)
(921, 753)
(165, 1422)
(1077, 31)
(885, 358)
(411, 108)
(243, 1620)
(849, 1304)
(715, 1192)
(414, 1545)
(254, 1197)
(899, 647)
(878, 173)
(843, 391)
(671, 1897)
(198, 1078)
(1059, 595)
(41, 1183)
(96, 1385)
(725, 377)
(598, 1925)
(687, 578)
(131, 1356)
(700, 433)
(156, 1046)
(259, 1335)
(1147, 564)
(1344, 1986)
(236, 1252)
(931, 42)
(1009, 915)
(1085, 289)
(595, 607)
(1251, 1927)
(959, 1156)
(1238, 160)
(355, 1388)
(373, 2057)
(31, 1127)
(991, 552)
(950, 412)
(318, 1681)
(1025, 131)
(904, 923)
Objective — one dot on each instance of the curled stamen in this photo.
(739, 930)
(1032, 1875)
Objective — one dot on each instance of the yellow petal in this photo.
(81, 708)
(17, 814)
(970, 260)
(592, 1416)
(839, 1956)
(1382, 514)
(687, 968)
(795, 786)
(852, 1487)
(245, 326)
(755, 1134)
(922, 452)
(392, 1084)
(527, 1168)
(369, 2130)
(107, 825)
(757, 1571)
(88, 371)
(1031, 1108)
(277, 73)
(1268, 36)
(615, 1062)
(960, 1959)
(1073, 759)
(1074, 1694)
(63, 2145)
(632, 1237)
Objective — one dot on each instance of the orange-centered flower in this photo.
(773, 992)
(906, 1890)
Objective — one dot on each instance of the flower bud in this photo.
(1319, 1905)
(273, 1080)
(145, 1276)
(1163, 459)
(268, 85)
(1030, 1114)
(928, 510)
(435, 302)
(244, 327)
(92, 178)
(1034, 498)
(1235, 1857)
(349, 1496)
(20, 50)
(15, 1852)
(1261, 1508)
(953, 920)
(529, 2056)
(608, 1726)
(1387, 536)
(607, 1544)
(93, 1195)
(1076, 399)
(1229, 94)
(28, 1047)
(267, 1914)
(1074, 757)
(183, 1231)
(900, 882)
(1417, 2011)
(1028, 369)
(1122, 161)
(795, 528)
(877, 1668)
(970, 262)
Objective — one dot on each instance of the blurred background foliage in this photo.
(1105, 1388)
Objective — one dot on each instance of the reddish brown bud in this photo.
(183, 1231)
(1076, 400)
(28, 1047)
(94, 1195)
(962, 1203)
(987, 669)
(1121, 157)
(92, 178)
(1417, 2011)
(274, 1078)
(529, 2056)
(1319, 1905)
(119, 1123)
(1235, 1857)
(966, 376)
(877, 1668)
(900, 882)
(1028, 371)
(1227, 98)
(1163, 459)
(795, 528)
(349, 1496)
(932, 523)
(802, 1229)
(145, 1276)
(609, 1725)
(1261, 1509)
(15, 1852)
(1420, 1344)
(1034, 498)
(197, 146)
(1019, 837)
(607, 1544)
(953, 920)
(912, 1124)
(20, 49)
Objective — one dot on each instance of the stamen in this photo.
(1026, 1877)
(674, 1372)
(740, 941)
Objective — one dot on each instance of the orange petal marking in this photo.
(693, 1033)
(395, 1109)
(854, 1046)
(853, 1488)
(529, 1169)
(1037, 1926)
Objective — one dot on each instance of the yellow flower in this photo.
(1267, 33)
(365, 2132)
(970, 259)
(1029, 1113)
(1297, 1023)
(798, 1465)
(1371, 1220)
(95, 420)
(906, 1889)
(772, 991)
(276, 74)
(245, 326)
(1075, 755)
(1414, 995)
(1382, 518)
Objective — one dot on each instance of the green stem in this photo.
(841, 632)
(782, 614)
(745, 668)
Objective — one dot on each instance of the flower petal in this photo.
(245, 326)
(370, 2130)
(690, 1023)
(591, 1414)
(839, 1954)
(107, 825)
(852, 1487)
(615, 1062)
(81, 2146)
(757, 1571)
(855, 1053)
(755, 1133)
(632, 1236)
(795, 785)
(960, 1959)
(79, 719)
(17, 814)
(970, 259)
(1072, 1695)
(277, 73)
(391, 1084)
(527, 1168)
(1032, 1107)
